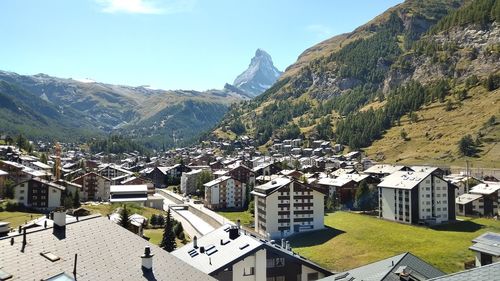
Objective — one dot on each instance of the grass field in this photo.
(352, 240)
(155, 236)
(244, 216)
(18, 218)
(105, 209)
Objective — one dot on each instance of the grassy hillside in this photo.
(433, 139)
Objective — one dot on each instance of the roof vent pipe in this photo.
(147, 259)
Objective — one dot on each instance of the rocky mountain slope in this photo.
(259, 76)
(358, 88)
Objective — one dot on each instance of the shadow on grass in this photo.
(459, 226)
(314, 238)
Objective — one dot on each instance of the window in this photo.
(248, 272)
(21, 198)
(312, 276)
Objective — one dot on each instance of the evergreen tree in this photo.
(124, 217)
(43, 158)
(8, 191)
(154, 220)
(76, 200)
(362, 197)
(178, 230)
(466, 146)
(168, 241)
(160, 220)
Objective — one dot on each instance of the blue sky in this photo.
(168, 44)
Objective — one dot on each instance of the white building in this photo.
(490, 200)
(416, 197)
(188, 181)
(230, 254)
(285, 206)
(225, 192)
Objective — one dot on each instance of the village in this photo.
(244, 214)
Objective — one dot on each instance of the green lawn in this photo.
(18, 218)
(155, 236)
(244, 216)
(105, 209)
(352, 240)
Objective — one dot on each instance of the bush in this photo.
(12, 206)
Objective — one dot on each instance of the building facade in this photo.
(94, 187)
(416, 198)
(225, 193)
(39, 194)
(285, 206)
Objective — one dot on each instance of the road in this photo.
(187, 219)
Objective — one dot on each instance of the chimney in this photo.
(195, 242)
(59, 220)
(147, 259)
(288, 245)
(234, 232)
(282, 243)
(238, 223)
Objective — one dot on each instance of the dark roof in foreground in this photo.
(106, 251)
(389, 270)
(483, 273)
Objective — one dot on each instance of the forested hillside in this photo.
(354, 89)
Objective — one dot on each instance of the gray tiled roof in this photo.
(483, 273)
(384, 270)
(105, 251)
(488, 242)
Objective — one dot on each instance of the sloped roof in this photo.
(404, 179)
(484, 273)
(488, 242)
(217, 256)
(105, 251)
(387, 270)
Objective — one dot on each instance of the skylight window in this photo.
(50, 256)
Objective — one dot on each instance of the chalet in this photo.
(140, 181)
(231, 254)
(486, 248)
(111, 171)
(164, 176)
(39, 194)
(266, 169)
(416, 197)
(94, 187)
(469, 205)
(490, 200)
(3, 178)
(285, 206)
(404, 267)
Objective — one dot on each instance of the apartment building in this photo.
(285, 206)
(416, 197)
(94, 187)
(225, 192)
(39, 194)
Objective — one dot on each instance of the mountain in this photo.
(259, 76)
(406, 86)
(41, 106)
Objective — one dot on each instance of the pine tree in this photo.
(124, 217)
(168, 241)
(76, 200)
(362, 197)
(154, 220)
